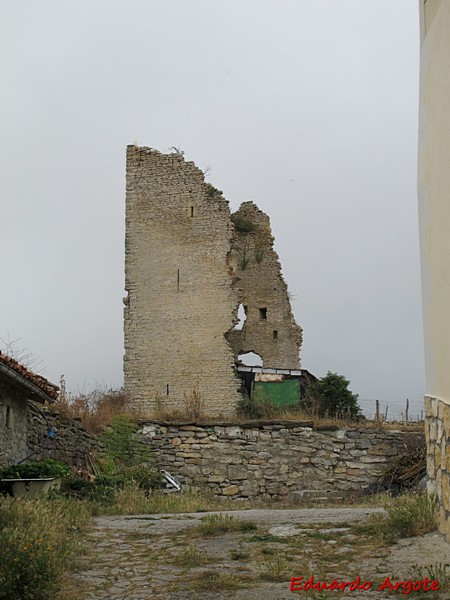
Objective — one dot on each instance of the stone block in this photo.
(237, 472)
(231, 490)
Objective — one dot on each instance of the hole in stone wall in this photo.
(251, 359)
(8, 417)
(263, 313)
(275, 335)
(192, 210)
(242, 316)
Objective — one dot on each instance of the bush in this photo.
(122, 444)
(242, 224)
(36, 469)
(96, 408)
(37, 540)
(330, 397)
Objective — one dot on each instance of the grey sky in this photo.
(307, 107)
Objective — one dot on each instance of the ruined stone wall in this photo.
(13, 423)
(71, 443)
(181, 301)
(275, 460)
(437, 431)
(269, 329)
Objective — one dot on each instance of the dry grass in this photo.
(220, 524)
(97, 408)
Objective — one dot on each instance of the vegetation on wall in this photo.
(95, 409)
(242, 224)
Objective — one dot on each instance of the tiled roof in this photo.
(40, 382)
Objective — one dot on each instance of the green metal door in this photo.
(285, 393)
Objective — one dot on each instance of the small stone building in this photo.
(18, 385)
(190, 267)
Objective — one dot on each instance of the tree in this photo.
(330, 397)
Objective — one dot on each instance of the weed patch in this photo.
(38, 538)
(274, 570)
(191, 557)
(220, 524)
(213, 580)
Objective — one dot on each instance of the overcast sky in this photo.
(307, 107)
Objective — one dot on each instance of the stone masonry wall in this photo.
(274, 460)
(13, 423)
(181, 301)
(71, 442)
(437, 432)
(269, 329)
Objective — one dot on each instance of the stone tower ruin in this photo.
(189, 265)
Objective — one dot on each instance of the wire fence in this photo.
(407, 410)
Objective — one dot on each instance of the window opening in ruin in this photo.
(192, 210)
(275, 335)
(242, 316)
(167, 392)
(263, 313)
(178, 280)
(8, 417)
(251, 359)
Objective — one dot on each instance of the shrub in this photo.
(122, 444)
(144, 475)
(37, 540)
(36, 469)
(96, 408)
(330, 397)
(242, 224)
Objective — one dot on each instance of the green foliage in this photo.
(36, 469)
(439, 572)
(218, 524)
(407, 515)
(242, 224)
(260, 409)
(122, 444)
(106, 487)
(144, 475)
(211, 191)
(330, 397)
(37, 540)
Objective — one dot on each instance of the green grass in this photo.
(274, 570)
(207, 581)
(407, 515)
(219, 524)
(191, 557)
(268, 537)
(38, 539)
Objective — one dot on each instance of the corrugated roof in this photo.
(50, 389)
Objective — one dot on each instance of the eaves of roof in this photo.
(40, 387)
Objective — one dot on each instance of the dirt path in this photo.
(169, 556)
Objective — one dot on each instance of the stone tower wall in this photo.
(269, 329)
(181, 301)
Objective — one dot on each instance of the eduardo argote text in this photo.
(405, 587)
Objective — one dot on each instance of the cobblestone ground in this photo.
(166, 557)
